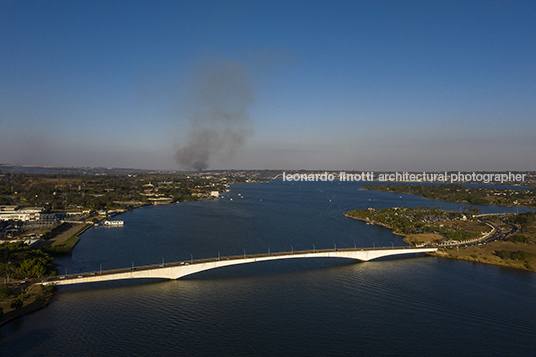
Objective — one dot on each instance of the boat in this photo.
(113, 223)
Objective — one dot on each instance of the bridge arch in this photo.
(181, 269)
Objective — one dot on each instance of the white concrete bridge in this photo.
(180, 269)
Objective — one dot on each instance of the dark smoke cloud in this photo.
(219, 124)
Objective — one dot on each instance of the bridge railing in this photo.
(209, 260)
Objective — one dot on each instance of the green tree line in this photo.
(18, 261)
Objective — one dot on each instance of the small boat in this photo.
(113, 223)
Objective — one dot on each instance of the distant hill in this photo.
(86, 170)
(70, 170)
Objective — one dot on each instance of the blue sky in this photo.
(335, 85)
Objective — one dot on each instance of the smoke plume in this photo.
(219, 123)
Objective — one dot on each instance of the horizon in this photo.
(290, 171)
(179, 86)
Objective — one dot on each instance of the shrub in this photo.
(518, 255)
(518, 238)
(16, 303)
(4, 291)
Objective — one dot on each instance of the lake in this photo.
(403, 306)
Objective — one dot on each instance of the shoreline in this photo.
(36, 305)
(476, 260)
(43, 302)
(442, 253)
(376, 224)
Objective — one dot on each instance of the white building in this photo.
(15, 213)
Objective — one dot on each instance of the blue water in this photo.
(409, 306)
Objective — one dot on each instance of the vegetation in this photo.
(421, 220)
(101, 194)
(431, 226)
(525, 218)
(20, 262)
(4, 291)
(31, 297)
(459, 193)
(516, 251)
(62, 248)
(517, 255)
(67, 192)
(17, 303)
(518, 238)
(78, 193)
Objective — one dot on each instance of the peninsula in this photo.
(503, 239)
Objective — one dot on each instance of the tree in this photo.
(36, 267)
(4, 292)
(472, 210)
(18, 260)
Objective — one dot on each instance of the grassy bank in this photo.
(491, 254)
(66, 246)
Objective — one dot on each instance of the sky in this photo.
(315, 85)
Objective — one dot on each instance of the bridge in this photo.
(180, 269)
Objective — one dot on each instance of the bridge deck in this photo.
(179, 269)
